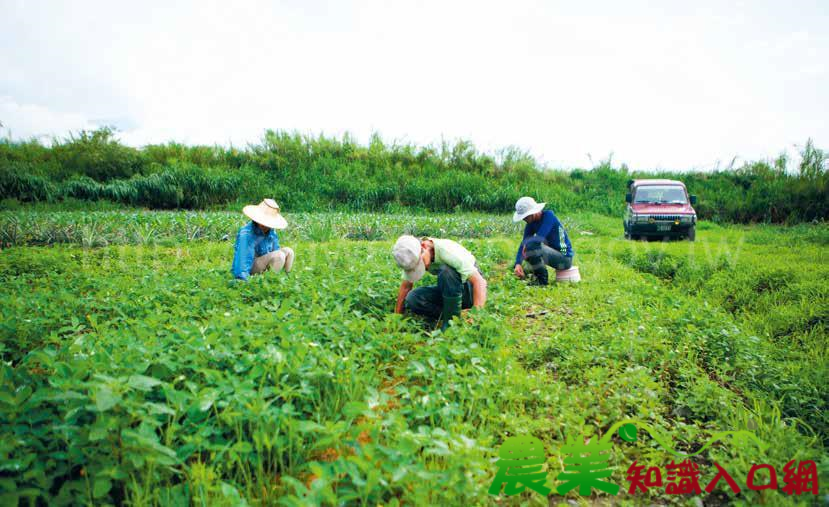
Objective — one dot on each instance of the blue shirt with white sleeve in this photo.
(251, 242)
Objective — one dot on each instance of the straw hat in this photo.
(266, 213)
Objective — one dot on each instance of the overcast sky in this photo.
(673, 85)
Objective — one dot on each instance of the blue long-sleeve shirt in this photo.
(251, 242)
(550, 230)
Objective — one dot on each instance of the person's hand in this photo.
(519, 271)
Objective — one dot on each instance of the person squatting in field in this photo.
(460, 282)
(257, 244)
(543, 241)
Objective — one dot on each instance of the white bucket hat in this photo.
(406, 253)
(266, 213)
(526, 206)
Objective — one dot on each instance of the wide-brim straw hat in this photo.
(266, 213)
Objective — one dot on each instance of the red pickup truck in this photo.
(659, 208)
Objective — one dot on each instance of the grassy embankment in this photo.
(317, 173)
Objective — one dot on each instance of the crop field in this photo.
(102, 228)
(135, 371)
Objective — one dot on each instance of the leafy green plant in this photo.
(139, 373)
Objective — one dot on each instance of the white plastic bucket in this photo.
(568, 275)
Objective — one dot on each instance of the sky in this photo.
(655, 85)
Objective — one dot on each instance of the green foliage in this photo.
(27, 227)
(307, 173)
(97, 154)
(177, 186)
(139, 373)
(19, 180)
(814, 162)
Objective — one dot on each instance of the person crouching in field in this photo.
(543, 241)
(257, 245)
(460, 283)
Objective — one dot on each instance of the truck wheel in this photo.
(634, 237)
(692, 233)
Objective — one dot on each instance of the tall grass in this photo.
(307, 173)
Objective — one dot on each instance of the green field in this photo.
(135, 371)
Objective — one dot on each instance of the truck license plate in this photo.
(663, 227)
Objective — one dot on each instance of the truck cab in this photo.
(659, 208)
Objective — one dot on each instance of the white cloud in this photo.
(32, 120)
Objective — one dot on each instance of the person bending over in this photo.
(545, 242)
(460, 283)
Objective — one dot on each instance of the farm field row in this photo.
(46, 225)
(143, 227)
(139, 372)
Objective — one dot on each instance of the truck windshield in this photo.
(661, 194)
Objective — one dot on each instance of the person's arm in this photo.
(402, 292)
(478, 283)
(243, 255)
(520, 255)
(275, 243)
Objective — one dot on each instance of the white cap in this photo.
(406, 253)
(526, 206)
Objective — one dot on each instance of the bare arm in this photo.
(402, 292)
(478, 290)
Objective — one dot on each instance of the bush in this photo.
(307, 173)
(19, 181)
(99, 155)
